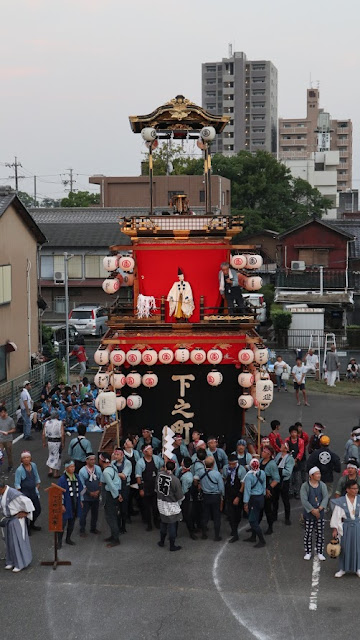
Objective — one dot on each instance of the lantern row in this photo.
(117, 357)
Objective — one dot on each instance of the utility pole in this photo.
(15, 165)
(35, 203)
(70, 180)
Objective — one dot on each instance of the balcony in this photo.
(293, 130)
(310, 280)
(344, 154)
(293, 142)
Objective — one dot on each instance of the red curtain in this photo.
(200, 263)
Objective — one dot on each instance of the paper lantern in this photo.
(198, 356)
(246, 356)
(214, 356)
(166, 356)
(261, 355)
(264, 405)
(150, 380)
(238, 261)
(126, 263)
(208, 134)
(107, 403)
(245, 379)
(120, 403)
(117, 357)
(117, 379)
(245, 401)
(133, 357)
(102, 356)
(134, 401)
(262, 375)
(253, 261)
(111, 285)
(264, 391)
(133, 380)
(148, 134)
(127, 279)
(149, 357)
(111, 263)
(182, 355)
(102, 379)
(214, 378)
(254, 283)
(97, 400)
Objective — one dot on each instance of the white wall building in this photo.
(320, 170)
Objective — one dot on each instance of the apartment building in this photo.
(299, 138)
(247, 91)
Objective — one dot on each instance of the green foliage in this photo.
(60, 370)
(80, 199)
(268, 291)
(27, 200)
(280, 318)
(48, 347)
(50, 203)
(172, 160)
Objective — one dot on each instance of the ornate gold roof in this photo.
(179, 114)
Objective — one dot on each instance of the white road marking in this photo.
(315, 580)
(18, 438)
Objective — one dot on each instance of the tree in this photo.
(27, 200)
(50, 203)
(81, 199)
(172, 160)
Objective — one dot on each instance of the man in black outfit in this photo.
(234, 494)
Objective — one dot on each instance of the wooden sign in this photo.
(55, 507)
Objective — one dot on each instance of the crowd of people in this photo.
(201, 483)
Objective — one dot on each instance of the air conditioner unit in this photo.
(298, 265)
(59, 277)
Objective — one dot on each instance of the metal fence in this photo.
(300, 338)
(310, 280)
(10, 391)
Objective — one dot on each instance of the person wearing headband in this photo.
(146, 471)
(147, 437)
(285, 464)
(243, 456)
(314, 499)
(219, 455)
(27, 480)
(180, 449)
(314, 442)
(345, 524)
(351, 473)
(327, 461)
(90, 476)
(71, 501)
(254, 499)
(352, 445)
(268, 464)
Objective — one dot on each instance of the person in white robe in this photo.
(345, 523)
(16, 508)
(180, 298)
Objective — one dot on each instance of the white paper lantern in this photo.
(134, 401)
(264, 391)
(245, 401)
(107, 403)
(102, 356)
(262, 375)
(148, 134)
(133, 379)
(126, 263)
(120, 403)
(166, 356)
(198, 356)
(214, 378)
(150, 380)
(102, 379)
(254, 283)
(261, 355)
(253, 261)
(97, 400)
(149, 357)
(238, 261)
(117, 379)
(182, 355)
(111, 263)
(111, 285)
(214, 356)
(133, 357)
(246, 356)
(208, 134)
(246, 379)
(117, 357)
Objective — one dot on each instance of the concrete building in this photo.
(247, 90)
(348, 202)
(300, 137)
(320, 170)
(20, 238)
(134, 191)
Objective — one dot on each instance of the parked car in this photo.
(256, 301)
(89, 319)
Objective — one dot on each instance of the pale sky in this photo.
(72, 71)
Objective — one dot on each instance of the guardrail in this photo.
(10, 390)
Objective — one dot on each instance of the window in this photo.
(314, 257)
(211, 94)
(202, 196)
(287, 125)
(258, 117)
(47, 267)
(342, 125)
(2, 363)
(258, 92)
(211, 69)
(258, 130)
(94, 267)
(5, 284)
(343, 160)
(211, 105)
(258, 105)
(300, 124)
(319, 166)
(258, 67)
(343, 137)
(211, 81)
(258, 143)
(223, 198)
(75, 268)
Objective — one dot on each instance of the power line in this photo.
(15, 165)
(70, 181)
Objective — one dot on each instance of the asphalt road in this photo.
(207, 590)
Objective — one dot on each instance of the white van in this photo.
(89, 319)
(257, 301)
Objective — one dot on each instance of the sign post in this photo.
(55, 522)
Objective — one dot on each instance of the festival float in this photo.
(178, 357)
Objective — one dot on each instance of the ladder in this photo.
(329, 340)
(315, 345)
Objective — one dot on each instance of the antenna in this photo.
(230, 50)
